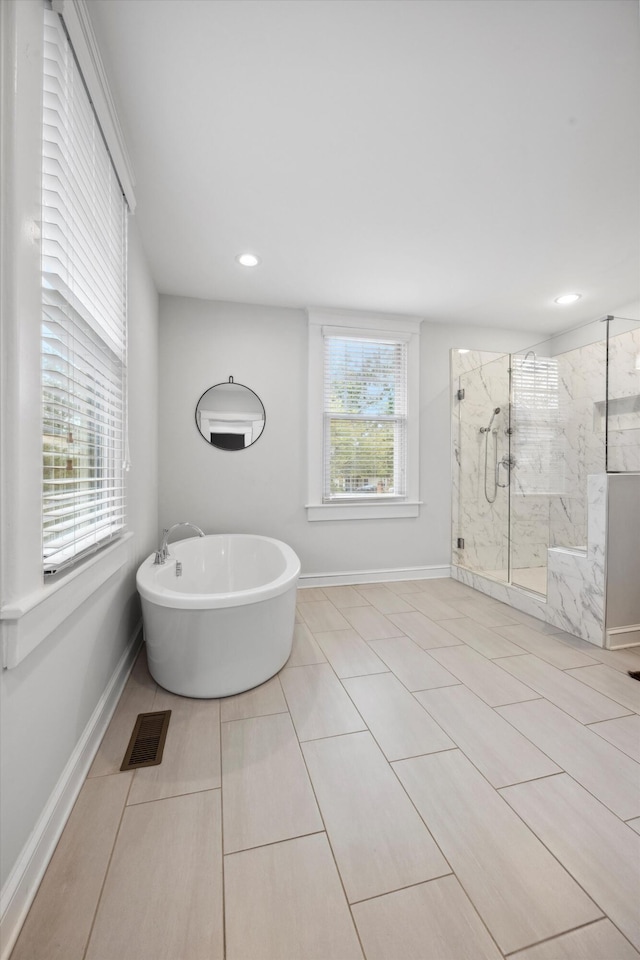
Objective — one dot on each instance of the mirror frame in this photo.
(226, 383)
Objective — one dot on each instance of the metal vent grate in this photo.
(147, 740)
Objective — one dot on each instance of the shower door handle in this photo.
(508, 463)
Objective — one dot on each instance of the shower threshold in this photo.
(532, 579)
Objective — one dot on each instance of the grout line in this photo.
(108, 867)
(583, 926)
(406, 886)
(274, 843)
(171, 796)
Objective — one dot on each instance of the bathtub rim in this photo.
(179, 600)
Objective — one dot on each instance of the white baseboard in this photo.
(620, 637)
(374, 576)
(24, 880)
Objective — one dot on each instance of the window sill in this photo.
(25, 623)
(363, 511)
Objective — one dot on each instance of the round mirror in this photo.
(230, 416)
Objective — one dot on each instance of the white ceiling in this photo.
(461, 160)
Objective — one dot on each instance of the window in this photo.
(363, 417)
(84, 222)
(539, 438)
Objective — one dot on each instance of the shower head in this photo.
(497, 410)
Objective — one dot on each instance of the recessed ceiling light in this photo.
(567, 298)
(248, 259)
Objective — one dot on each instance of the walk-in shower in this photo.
(529, 430)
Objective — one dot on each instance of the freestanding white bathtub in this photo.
(226, 623)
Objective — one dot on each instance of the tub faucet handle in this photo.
(158, 558)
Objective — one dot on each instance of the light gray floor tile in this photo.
(318, 703)
(600, 851)
(259, 702)
(191, 758)
(623, 660)
(379, 841)
(434, 919)
(575, 698)
(344, 597)
(623, 733)
(285, 902)
(553, 651)
(487, 846)
(322, 615)
(384, 600)
(502, 754)
(488, 614)
(608, 774)
(59, 922)
(400, 725)
(266, 791)
(137, 697)
(370, 624)
(162, 898)
(483, 676)
(305, 649)
(540, 625)
(597, 941)
(405, 586)
(447, 589)
(310, 594)
(412, 666)
(612, 683)
(426, 633)
(348, 654)
(432, 607)
(485, 641)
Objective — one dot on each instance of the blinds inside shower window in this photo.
(84, 333)
(365, 417)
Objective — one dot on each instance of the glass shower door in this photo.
(482, 454)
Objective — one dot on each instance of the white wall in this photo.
(264, 489)
(47, 700)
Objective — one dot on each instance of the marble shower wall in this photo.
(624, 401)
(484, 378)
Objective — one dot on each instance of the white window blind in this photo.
(365, 418)
(538, 436)
(84, 332)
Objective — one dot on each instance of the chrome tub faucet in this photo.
(163, 553)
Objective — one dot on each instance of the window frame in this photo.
(380, 327)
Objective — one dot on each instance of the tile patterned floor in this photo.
(432, 776)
